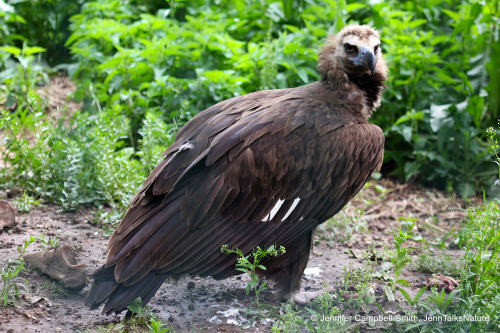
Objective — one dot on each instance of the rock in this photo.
(7, 216)
(60, 264)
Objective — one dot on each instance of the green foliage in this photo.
(80, 162)
(431, 261)
(142, 320)
(12, 285)
(311, 318)
(24, 203)
(41, 22)
(250, 263)
(494, 148)
(20, 77)
(439, 94)
(480, 237)
(399, 261)
(479, 290)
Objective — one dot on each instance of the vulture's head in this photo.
(355, 50)
(352, 60)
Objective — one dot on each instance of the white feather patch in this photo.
(274, 211)
(185, 146)
(294, 204)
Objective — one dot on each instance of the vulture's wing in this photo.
(259, 169)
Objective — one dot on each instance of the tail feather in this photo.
(117, 296)
(103, 286)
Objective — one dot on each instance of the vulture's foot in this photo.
(303, 297)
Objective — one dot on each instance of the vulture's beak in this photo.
(365, 58)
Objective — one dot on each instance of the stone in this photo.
(7, 215)
(60, 264)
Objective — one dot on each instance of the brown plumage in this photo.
(256, 170)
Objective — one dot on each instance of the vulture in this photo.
(260, 169)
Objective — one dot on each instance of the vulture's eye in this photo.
(376, 49)
(350, 48)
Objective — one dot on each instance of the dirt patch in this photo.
(203, 304)
(58, 97)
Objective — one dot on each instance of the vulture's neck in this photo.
(363, 91)
(372, 87)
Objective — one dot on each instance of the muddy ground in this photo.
(203, 304)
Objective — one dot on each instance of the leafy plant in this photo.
(358, 281)
(24, 203)
(494, 148)
(250, 263)
(478, 294)
(141, 317)
(399, 261)
(12, 285)
(42, 23)
(19, 79)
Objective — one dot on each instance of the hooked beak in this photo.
(365, 58)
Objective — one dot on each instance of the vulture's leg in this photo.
(286, 270)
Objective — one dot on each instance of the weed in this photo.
(358, 281)
(250, 263)
(24, 203)
(156, 326)
(326, 306)
(19, 81)
(494, 148)
(12, 285)
(142, 320)
(475, 305)
(44, 243)
(399, 261)
(415, 300)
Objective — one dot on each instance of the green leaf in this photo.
(450, 298)
(33, 50)
(420, 293)
(403, 282)
(406, 296)
(302, 73)
(388, 293)
(11, 49)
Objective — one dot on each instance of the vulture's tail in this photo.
(117, 296)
